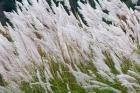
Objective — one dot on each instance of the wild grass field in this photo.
(51, 48)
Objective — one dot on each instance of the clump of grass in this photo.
(126, 65)
(110, 63)
(116, 84)
(104, 90)
(34, 86)
(41, 52)
(62, 80)
(65, 81)
(27, 88)
(89, 68)
(2, 81)
(137, 66)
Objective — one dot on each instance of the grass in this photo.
(2, 81)
(54, 76)
(109, 62)
(61, 82)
